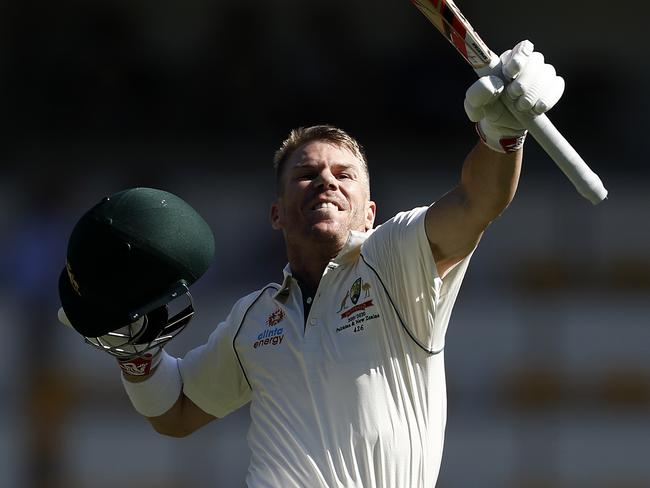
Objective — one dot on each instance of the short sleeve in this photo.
(212, 374)
(400, 254)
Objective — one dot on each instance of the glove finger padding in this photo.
(496, 126)
(515, 60)
(550, 96)
(483, 92)
(535, 88)
(482, 102)
(533, 83)
(527, 80)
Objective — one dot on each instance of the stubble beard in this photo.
(327, 239)
(332, 235)
(341, 231)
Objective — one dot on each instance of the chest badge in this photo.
(358, 288)
(355, 291)
(353, 307)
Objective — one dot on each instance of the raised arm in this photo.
(490, 173)
(456, 222)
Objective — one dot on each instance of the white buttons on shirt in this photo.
(309, 300)
(313, 321)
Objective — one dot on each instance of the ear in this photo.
(274, 215)
(371, 212)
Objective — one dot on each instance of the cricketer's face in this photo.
(324, 195)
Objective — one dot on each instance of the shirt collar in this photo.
(351, 251)
(352, 247)
(286, 282)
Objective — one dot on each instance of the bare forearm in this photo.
(183, 418)
(489, 180)
(180, 420)
(170, 423)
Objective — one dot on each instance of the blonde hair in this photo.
(302, 135)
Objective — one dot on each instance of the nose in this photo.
(326, 180)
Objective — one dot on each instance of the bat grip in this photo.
(553, 142)
(565, 156)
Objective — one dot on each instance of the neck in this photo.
(308, 263)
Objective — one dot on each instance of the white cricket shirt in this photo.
(353, 395)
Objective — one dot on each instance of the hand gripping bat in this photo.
(451, 23)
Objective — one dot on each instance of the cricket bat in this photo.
(451, 23)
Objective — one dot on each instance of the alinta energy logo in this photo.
(275, 318)
(355, 312)
(272, 335)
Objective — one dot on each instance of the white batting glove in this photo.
(526, 79)
(132, 361)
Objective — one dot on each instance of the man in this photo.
(343, 361)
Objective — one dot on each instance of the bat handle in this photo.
(553, 142)
(560, 150)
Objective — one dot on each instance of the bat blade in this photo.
(448, 19)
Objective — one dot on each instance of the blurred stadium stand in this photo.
(547, 351)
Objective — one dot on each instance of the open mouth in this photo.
(326, 205)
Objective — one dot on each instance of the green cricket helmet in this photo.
(128, 258)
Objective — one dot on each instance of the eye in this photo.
(304, 176)
(345, 176)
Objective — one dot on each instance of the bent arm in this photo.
(210, 375)
(456, 222)
(182, 419)
(159, 397)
